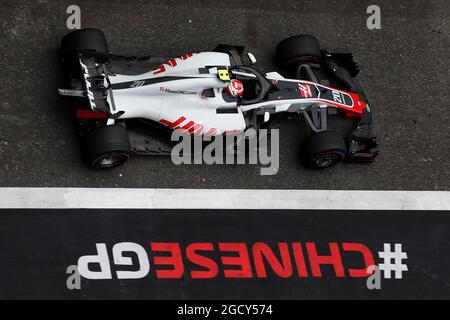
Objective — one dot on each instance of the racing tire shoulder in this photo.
(297, 48)
(106, 142)
(323, 149)
(88, 41)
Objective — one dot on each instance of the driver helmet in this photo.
(235, 88)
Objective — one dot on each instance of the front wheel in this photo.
(106, 147)
(324, 149)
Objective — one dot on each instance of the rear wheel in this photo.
(88, 41)
(324, 149)
(106, 147)
(297, 49)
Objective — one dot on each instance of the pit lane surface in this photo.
(404, 72)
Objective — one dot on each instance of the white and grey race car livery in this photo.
(217, 92)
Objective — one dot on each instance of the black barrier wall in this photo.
(224, 254)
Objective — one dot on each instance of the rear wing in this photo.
(96, 86)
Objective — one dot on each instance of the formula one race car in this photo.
(212, 93)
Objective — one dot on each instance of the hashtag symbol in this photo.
(388, 266)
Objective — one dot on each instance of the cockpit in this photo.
(245, 83)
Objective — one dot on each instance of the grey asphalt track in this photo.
(404, 72)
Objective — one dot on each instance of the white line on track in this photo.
(118, 198)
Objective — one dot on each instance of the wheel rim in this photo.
(328, 159)
(110, 160)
